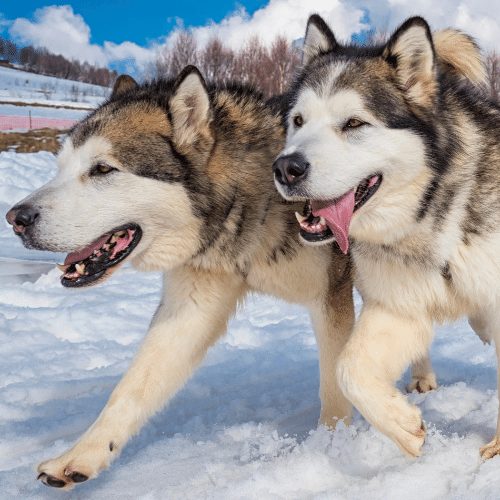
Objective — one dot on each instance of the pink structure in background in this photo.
(27, 123)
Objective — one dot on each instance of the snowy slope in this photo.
(244, 426)
(43, 111)
(18, 85)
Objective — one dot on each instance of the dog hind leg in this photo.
(423, 378)
(333, 323)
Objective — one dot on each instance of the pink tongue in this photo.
(338, 216)
(86, 252)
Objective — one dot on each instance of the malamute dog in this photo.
(177, 176)
(399, 157)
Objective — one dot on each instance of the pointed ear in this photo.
(319, 39)
(189, 106)
(410, 51)
(123, 84)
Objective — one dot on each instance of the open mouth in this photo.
(99, 259)
(325, 221)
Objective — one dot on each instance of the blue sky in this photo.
(136, 21)
(129, 34)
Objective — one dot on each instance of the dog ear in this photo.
(410, 51)
(319, 39)
(123, 84)
(189, 106)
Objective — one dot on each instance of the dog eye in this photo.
(101, 169)
(298, 121)
(354, 123)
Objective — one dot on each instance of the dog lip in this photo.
(317, 237)
(103, 273)
(369, 192)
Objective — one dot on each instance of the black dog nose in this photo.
(290, 169)
(22, 216)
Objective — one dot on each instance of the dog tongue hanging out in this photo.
(338, 213)
(323, 221)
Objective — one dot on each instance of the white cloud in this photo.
(479, 18)
(62, 31)
(282, 17)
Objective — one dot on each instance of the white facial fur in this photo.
(76, 209)
(340, 159)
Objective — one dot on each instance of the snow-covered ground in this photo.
(20, 85)
(244, 426)
(43, 111)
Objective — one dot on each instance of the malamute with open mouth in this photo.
(177, 177)
(397, 152)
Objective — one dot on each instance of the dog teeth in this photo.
(62, 267)
(80, 269)
(121, 234)
(114, 238)
(300, 218)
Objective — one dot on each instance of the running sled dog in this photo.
(177, 176)
(397, 152)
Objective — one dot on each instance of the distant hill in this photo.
(17, 85)
(43, 62)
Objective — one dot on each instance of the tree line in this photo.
(268, 69)
(42, 61)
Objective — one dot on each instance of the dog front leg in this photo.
(382, 345)
(193, 314)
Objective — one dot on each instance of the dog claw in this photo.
(51, 481)
(77, 477)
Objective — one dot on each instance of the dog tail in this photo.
(460, 52)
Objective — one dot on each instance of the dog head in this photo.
(362, 130)
(127, 177)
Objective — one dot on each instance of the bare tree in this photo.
(172, 59)
(284, 60)
(493, 72)
(251, 64)
(268, 69)
(216, 61)
(184, 52)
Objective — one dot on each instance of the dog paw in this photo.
(74, 467)
(491, 449)
(423, 383)
(408, 430)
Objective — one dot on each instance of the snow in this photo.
(43, 112)
(18, 85)
(52, 102)
(244, 426)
